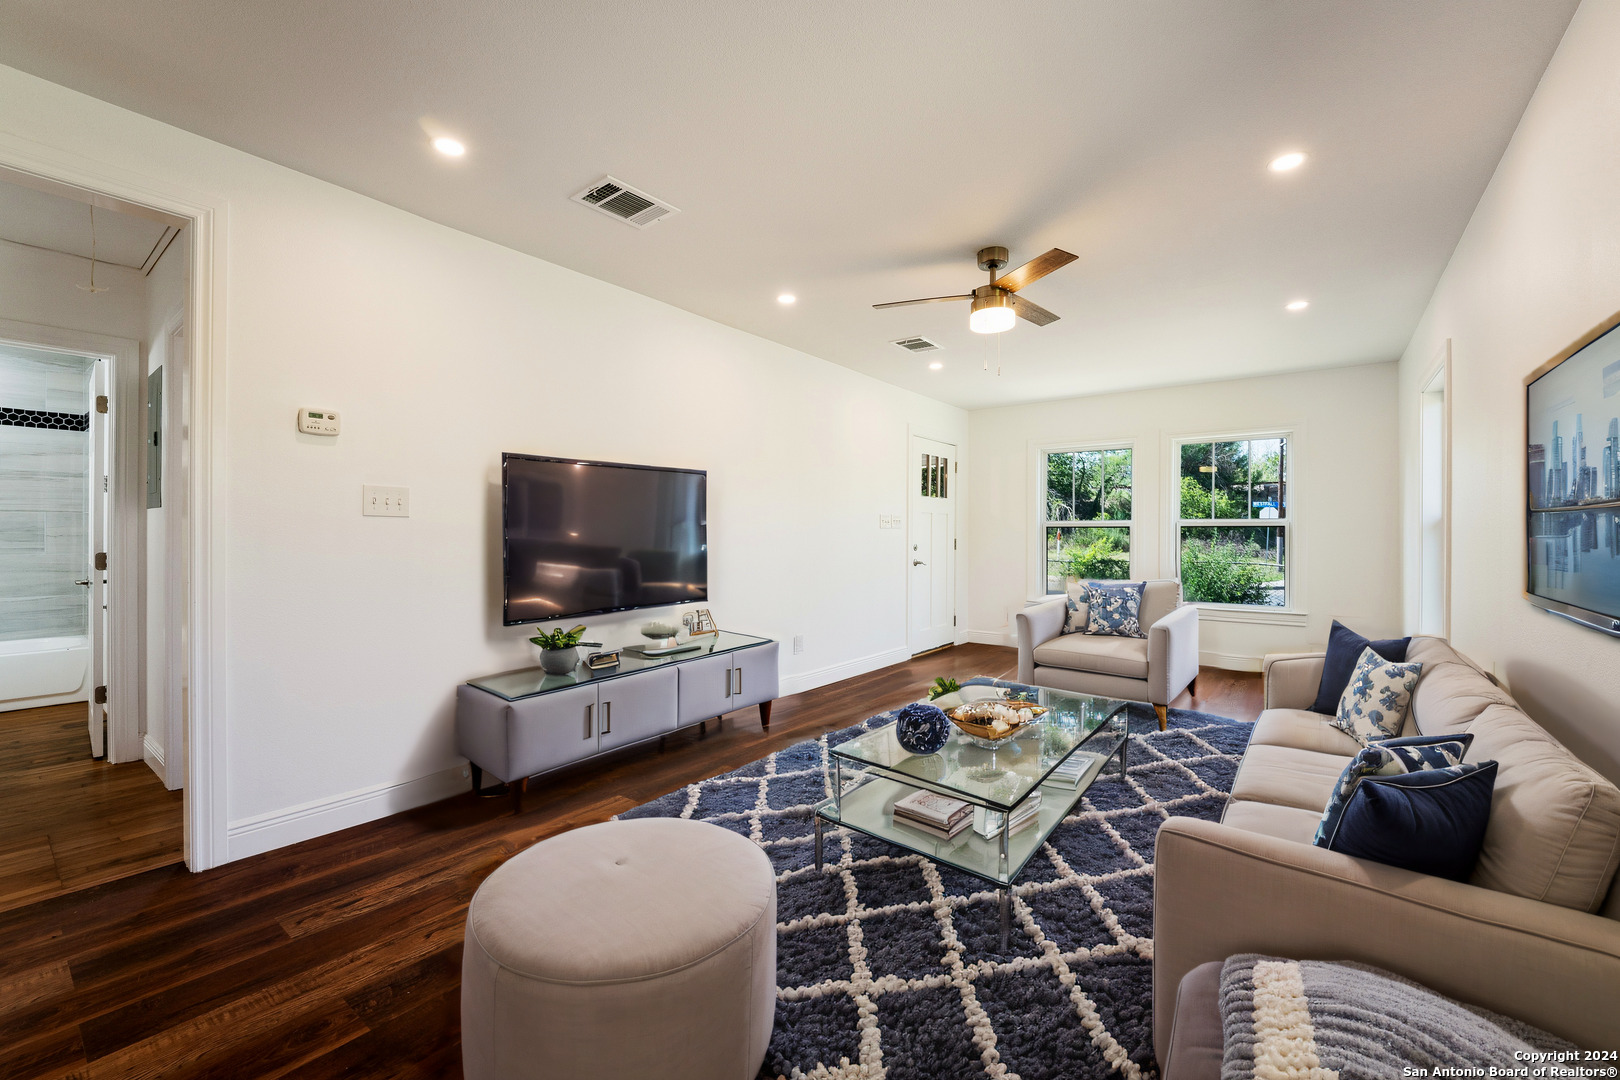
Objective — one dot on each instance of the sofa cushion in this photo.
(1268, 819)
(1554, 833)
(1375, 704)
(1284, 776)
(1451, 694)
(1344, 650)
(1392, 757)
(1114, 608)
(1100, 653)
(1303, 730)
(1431, 822)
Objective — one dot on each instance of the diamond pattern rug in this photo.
(889, 967)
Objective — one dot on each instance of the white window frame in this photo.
(1038, 455)
(1293, 612)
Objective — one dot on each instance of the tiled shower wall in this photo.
(44, 496)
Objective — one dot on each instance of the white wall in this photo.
(347, 635)
(1345, 550)
(1538, 265)
(164, 301)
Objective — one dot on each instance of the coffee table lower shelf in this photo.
(997, 860)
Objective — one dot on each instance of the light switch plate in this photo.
(380, 501)
(318, 422)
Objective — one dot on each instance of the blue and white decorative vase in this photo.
(922, 729)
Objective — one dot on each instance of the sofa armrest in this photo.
(1219, 891)
(1292, 679)
(1172, 654)
(1038, 624)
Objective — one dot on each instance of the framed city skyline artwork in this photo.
(1572, 481)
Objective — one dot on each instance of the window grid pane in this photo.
(1081, 552)
(1223, 486)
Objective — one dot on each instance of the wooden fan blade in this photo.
(925, 300)
(1031, 311)
(1035, 269)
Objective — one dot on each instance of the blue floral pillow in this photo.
(1115, 608)
(1391, 757)
(1074, 615)
(1373, 707)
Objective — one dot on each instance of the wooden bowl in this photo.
(981, 729)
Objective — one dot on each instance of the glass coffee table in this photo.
(871, 771)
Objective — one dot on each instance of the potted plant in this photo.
(559, 648)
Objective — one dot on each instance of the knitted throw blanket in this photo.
(1320, 1020)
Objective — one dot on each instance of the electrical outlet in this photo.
(798, 644)
(379, 501)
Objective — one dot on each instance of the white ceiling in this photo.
(854, 153)
(59, 224)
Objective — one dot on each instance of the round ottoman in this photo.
(630, 949)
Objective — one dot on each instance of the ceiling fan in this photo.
(997, 306)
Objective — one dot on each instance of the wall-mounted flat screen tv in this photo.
(1573, 480)
(587, 537)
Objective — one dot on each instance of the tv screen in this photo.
(1573, 480)
(587, 537)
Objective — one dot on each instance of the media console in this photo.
(522, 723)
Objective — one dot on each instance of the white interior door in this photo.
(931, 545)
(99, 447)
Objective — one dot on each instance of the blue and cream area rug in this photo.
(889, 967)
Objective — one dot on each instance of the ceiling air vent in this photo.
(917, 344)
(618, 199)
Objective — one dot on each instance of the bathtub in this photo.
(42, 671)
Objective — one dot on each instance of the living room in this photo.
(1332, 242)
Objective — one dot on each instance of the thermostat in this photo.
(317, 421)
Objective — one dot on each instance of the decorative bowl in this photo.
(661, 634)
(922, 729)
(991, 722)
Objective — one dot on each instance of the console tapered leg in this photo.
(518, 786)
(765, 714)
(477, 777)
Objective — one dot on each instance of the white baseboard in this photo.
(989, 637)
(265, 832)
(1229, 661)
(809, 680)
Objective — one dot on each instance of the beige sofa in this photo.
(1154, 668)
(1535, 934)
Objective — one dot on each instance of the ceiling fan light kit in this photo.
(996, 307)
(992, 311)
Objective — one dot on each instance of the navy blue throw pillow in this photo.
(1432, 822)
(1344, 649)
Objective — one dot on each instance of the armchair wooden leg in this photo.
(1163, 715)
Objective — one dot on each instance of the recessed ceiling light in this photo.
(935, 366)
(787, 298)
(1298, 305)
(1287, 162)
(449, 147)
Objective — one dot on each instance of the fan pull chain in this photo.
(91, 288)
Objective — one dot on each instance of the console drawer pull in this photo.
(607, 717)
(588, 709)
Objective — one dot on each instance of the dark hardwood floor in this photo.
(68, 821)
(341, 956)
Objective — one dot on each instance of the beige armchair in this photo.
(1153, 669)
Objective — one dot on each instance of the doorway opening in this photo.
(92, 762)
(1434, 592)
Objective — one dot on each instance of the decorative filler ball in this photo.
(922, 729)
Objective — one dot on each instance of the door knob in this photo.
(918, 562)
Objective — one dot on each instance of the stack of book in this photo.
(936, 815)
(987, 823)
(1074, 769)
